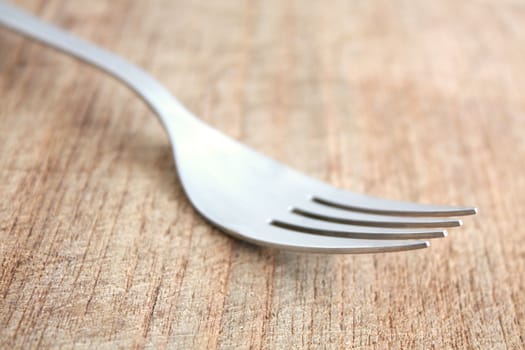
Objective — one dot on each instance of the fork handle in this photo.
(152, 92)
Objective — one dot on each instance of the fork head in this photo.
(257, 199)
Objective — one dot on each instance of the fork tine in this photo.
(279, 237)
(356, 202)
(321, 212)
(304, 224)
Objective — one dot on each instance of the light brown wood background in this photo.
(416, 100)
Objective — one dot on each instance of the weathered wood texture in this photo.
(420, 100)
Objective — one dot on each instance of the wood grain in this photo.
(422, 101)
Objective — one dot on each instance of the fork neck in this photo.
(168, 109)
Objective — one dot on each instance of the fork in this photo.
(247, 194)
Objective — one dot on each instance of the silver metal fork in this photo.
(246, 194)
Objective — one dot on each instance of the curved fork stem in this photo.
(153, 93)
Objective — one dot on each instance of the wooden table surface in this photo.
(422, 101)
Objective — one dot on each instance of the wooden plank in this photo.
(420, 101)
